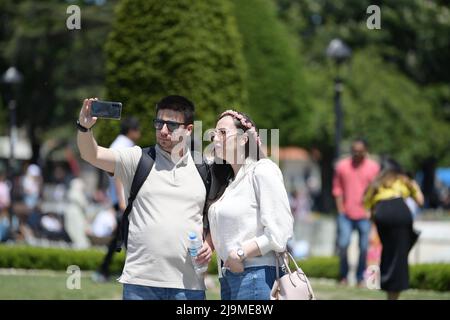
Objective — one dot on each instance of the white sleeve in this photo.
(127, 160)
(274, 209)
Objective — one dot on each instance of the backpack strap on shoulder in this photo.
(142, 171)
(204, 170)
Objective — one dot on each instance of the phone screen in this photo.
(106, 109)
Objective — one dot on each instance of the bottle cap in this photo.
(192, 236)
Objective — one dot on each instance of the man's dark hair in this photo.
(361, 140)
(180, 104)
(128, 124)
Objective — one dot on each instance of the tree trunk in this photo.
(35, 145)
(327, 169)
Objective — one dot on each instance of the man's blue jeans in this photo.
(346, 227)
(137, 292)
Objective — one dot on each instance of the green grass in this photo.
(51, 285)
(326, 289)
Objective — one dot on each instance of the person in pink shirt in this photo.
(351, 178)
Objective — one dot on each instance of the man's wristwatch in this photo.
(81, 128)
(241, 254)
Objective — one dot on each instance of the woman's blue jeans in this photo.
(255, 283)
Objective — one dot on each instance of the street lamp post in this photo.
(339, 52)
(12, 77)
(338, 115)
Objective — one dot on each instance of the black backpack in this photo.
(142, 171)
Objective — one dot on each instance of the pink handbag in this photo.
(293, 285)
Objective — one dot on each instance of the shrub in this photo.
(319, 267)
(277, 89)
(186, 47)
(434, 276)
(55, 258)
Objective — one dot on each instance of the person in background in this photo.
(32, 184)
(5, 202)
(129, 135)
(385, 197)
(301, 203)
(351, 178)
(75, 221)
(411, 202)
(104, 224)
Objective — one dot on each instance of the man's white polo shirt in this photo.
(168, 207)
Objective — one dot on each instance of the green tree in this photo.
(276, 85)
(379, 103)
(396, 92)
(392, 111)
(60, 66)
(185, 47)
(413, 36)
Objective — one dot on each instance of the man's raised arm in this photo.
(102, 158)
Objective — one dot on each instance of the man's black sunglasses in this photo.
(171, 125)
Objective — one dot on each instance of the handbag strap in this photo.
(300, 271)
(286, 257)
(277, 266)
(281, 255)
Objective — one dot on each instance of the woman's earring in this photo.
(244, 139)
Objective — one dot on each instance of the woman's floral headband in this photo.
(245, 122)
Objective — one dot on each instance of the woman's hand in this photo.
(234, 262)
(204, 254)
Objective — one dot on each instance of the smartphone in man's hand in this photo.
(106, 109)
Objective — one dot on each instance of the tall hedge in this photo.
(276, 86)
(186, 47)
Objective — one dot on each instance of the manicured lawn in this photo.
(50, 285)
(326, 289)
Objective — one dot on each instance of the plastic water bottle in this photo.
(195, 244)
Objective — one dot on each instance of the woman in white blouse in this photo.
(250, 219)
